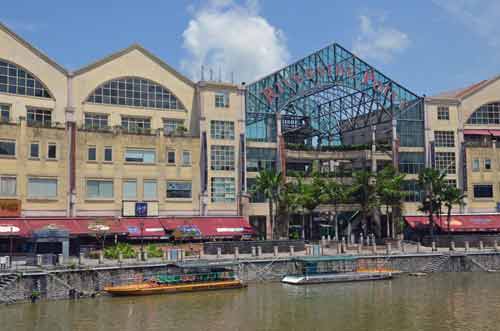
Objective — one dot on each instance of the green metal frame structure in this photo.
(328, 94)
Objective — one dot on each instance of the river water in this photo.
(447, 301)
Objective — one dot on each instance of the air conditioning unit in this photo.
(140, 208)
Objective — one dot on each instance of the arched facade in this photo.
(487, 114)
(17, 80)
(135, 92)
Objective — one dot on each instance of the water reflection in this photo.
(441, 302)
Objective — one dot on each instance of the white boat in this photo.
(335, 277)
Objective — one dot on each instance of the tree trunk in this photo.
(271, 221)
(387, 230)
(448, 220)
(311, 225)
(336, 224)
(303, 225)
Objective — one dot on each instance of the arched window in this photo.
(486, 114)
(136, 92)
(16, 80)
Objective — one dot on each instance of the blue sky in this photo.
(428, 46)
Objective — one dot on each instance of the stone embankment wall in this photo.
(57, 284)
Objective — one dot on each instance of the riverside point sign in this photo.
(342, 72)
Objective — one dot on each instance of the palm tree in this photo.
(289, 202)
(335, 193)
(432, 183)
(364, 193)
(310, 198)
(269, 183)
(451, 195)
(389, 192)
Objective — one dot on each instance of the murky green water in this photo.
(466, 301)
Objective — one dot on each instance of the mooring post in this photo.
(120, 257)
(292, 250)
(403, 247)
(101, 257)
(329, 238)
(466, 246)
(359, 247)
(164, 256)
(39, 259)
(343, 246)
(145, 255)
(388, 248)
(374, 247)
(399, 245)
(253, 251)
(433, 245)
(219, 252)
(452, 245)
(495, 245)
(259, 250)
(418, 247)
(323, 241)
(236, 253)
(481, 245)
(81, 258)
(138, 256)
(338, 247)
(275, 250)
(60, 259)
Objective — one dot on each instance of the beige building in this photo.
(463, 126)
(119, 136)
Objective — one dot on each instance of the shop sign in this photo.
(10, 208)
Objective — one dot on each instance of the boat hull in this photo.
(151, 288)
(336, 278)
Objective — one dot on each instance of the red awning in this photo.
(13, 227)
(210, 227)
(152, 227)
(482, 132)
(77, 226)
(68, 224)
(459, 223)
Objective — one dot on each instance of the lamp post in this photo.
(142, 240)
(11, 245)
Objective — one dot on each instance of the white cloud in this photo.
(480, 16)
(232, 38)
(378, 41)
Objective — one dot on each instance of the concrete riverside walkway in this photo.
(327, 250)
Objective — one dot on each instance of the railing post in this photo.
(39, 259)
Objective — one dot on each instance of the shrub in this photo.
(113, 252)
(154, 251)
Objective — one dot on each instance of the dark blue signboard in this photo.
(141, 209)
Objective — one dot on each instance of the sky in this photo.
(429, 46)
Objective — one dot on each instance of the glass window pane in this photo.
(130, 189)
(150, 190)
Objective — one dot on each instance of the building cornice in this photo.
(127, 50)
(33, 49)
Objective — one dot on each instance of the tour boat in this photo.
(334, 269)
(176, 283)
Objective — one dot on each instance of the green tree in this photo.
(389, 186)
(451, 195)
(269, 183)
(289, 202)
(364, 192)
(335, 193)
(432, 183)
(310, 198)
